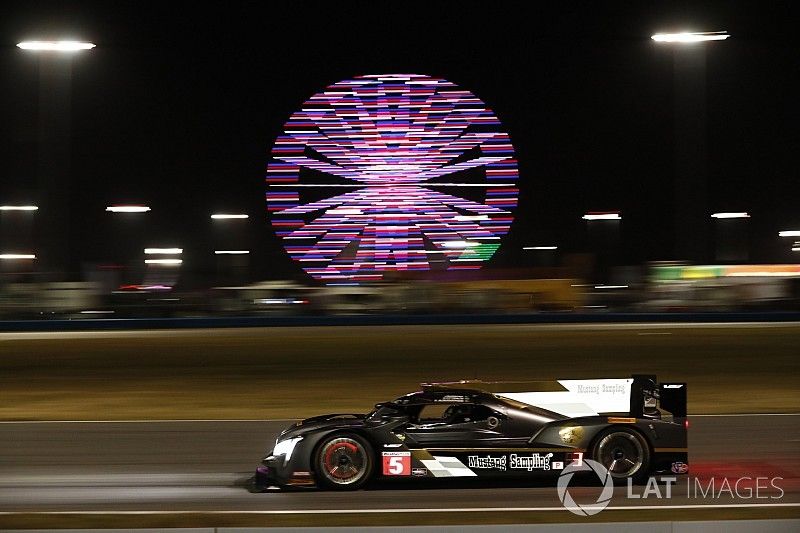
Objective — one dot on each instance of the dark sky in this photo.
(178, 105)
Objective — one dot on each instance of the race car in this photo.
(472, 429)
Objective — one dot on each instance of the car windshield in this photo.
(386, 409)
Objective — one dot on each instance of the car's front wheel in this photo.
(343, 462)
(623, 452)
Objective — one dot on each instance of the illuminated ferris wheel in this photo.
(391, 172)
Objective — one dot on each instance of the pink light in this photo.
(389, 145)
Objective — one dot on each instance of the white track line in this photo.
(407, 510)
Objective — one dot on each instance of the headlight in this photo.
(286, 447)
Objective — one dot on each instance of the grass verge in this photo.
(264, 373)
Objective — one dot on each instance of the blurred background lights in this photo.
(383, 173)
(55, 46)
(602, 216)
(460, 244)
(690, 37)
(165, 262)
(18, 208)
(128, 208)
(730, 215)
(224, 216)
(163, 251)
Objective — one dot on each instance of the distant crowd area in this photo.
(663, 287)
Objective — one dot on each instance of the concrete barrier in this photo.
(389, 320)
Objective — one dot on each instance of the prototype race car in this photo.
(632, 426)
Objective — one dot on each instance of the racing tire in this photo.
(343, 461)
(624, 453)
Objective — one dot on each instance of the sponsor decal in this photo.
(570, 435)
(673, 386)
(574, 457)
(601, 388)
(453, 398)
(488, 462)
(679, 468)
(558, 465)
(530, 462)
(582, 397)
(419, 471)
(441, 466)
(396, 445)
(396, 463)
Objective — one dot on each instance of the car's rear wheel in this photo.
(623, 452)
(343, 462)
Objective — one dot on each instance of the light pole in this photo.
(542, 255)
(16, 266)
(55, 84)
(127, 234)
(795, 234)
(691, 176)
(162, 272)
(731, 237)
(231, 252)
(603, 230)
(16, 225)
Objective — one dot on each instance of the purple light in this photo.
(391, 172)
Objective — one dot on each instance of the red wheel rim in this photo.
(343, 461)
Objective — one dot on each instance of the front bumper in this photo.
(273, 472)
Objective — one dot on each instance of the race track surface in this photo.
(206, 466)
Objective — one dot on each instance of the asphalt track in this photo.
(206, 466)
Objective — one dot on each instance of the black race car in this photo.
(471, 429)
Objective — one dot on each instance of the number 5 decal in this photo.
(396, 463)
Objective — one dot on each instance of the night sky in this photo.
(178, 106)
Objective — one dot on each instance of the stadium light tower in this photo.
(603, 232)
(691, 176)
(55, 102)
(231, 246)
(16, 225)
(731, 236)
(542, 255)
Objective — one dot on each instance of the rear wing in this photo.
(638, 396)
(647, 395)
